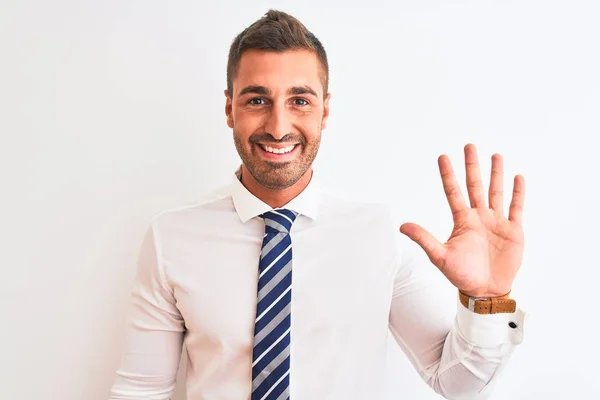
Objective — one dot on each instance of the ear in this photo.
(228, 109)
(325, 111)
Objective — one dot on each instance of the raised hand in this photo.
(484, 251)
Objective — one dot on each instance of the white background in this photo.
(111, 111)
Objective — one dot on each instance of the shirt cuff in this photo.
(488, 330)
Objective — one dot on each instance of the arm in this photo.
(481, 259)
(154, 332)
(457, 353)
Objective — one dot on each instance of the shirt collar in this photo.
(249, 206)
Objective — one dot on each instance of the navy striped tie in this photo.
(272, 329)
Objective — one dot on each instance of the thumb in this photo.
(432, 247)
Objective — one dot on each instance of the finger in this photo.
(451, 188)
(432, 247)
(497, 184)
(515, 213)
(474, 186)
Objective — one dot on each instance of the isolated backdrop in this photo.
(111, 111)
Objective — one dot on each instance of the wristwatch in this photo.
(488, 305)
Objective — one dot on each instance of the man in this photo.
(279, 289)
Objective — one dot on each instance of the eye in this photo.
(301, 102)
(256, 101)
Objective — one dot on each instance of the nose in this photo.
(278, 122)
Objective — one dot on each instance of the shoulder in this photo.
(382, 218)
(216, 201)
(336, 201)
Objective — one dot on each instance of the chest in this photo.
(336, 282)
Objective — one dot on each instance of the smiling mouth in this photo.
(278, 151)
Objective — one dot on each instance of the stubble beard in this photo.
(276, 175)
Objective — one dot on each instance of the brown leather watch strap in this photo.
(493, 305)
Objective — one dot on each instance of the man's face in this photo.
(277, 112)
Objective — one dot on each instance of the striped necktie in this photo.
(272, 329)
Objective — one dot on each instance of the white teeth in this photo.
(279, 151)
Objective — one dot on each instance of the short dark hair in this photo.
(275, 31)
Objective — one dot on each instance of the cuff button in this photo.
(512, 324)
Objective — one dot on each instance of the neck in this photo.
(275, 198)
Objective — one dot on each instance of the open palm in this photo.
(484, 251)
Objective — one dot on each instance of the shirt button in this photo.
(512, 324)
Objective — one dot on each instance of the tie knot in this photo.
(279, 220)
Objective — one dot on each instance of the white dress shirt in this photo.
(354, 280)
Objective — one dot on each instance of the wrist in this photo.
(488, 305)
(486, 295)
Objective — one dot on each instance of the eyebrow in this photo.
(263, 91)
(302, 90)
